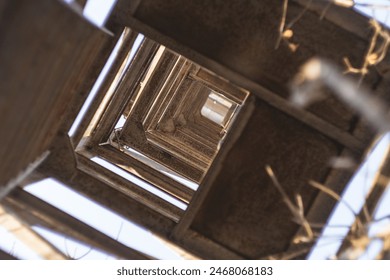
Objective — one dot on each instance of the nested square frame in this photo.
(165, 136)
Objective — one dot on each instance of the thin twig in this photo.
(336, 197)
(331, 193)
(282, 23)
(119, 231)
(296, 211)
(325, 10)
(84, 255)
(372, 57)
(300, 15)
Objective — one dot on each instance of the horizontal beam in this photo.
(145, 172)
(118, 202)
(36, 211)
(24, 233)
(130, 189)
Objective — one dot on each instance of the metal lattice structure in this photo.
(204, 101)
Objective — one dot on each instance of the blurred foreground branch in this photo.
(307, 88)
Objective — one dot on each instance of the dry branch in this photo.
(306, 89)
(376, 51)
(296, 210)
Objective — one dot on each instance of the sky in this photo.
(141, 239)
(375, 9)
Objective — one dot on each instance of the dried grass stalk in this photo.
(296, 210)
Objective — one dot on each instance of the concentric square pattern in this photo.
(167, 118)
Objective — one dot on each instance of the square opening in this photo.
(217, 109)
(152, 88)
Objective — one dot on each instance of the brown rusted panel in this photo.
(45, 52)
(243, 211)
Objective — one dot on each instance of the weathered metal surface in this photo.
(45, 50)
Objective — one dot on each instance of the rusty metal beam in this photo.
(145, 172)
(43, 58)
(125, 47)
(23, 232)
(118, 202)
(130, 189)
(6, 256)
(37, 212)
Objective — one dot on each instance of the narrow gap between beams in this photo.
(103, 75)
(140, 183)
